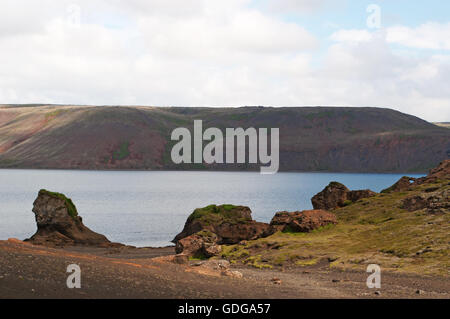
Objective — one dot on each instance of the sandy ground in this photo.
(28, 271)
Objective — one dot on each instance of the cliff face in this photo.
(311, 138)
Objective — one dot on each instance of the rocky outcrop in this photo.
(303, 222)
(355, 196)
(209, 227)
(435, 203)
(200, 244)
(337, 195)
(442, 172)
(403, 184)
(58, 223)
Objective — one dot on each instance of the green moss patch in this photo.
(122, 153)
(214, 214)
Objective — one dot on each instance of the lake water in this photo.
(144, 208)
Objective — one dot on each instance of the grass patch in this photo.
(122, 153)
(374, 230)
(307, 262)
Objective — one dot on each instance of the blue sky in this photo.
(352, 13)
(228, 53)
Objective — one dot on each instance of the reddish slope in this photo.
(311, 139)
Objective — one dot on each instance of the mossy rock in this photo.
(214, 214)
(336, 185)
(71, 208)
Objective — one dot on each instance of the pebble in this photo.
(378, 293)
(276, 281)
(232, 273)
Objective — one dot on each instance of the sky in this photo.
(385, 53)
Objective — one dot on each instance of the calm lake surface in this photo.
(145, 208)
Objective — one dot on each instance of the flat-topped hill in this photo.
(311, 138)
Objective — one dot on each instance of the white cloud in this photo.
(426, 36)
(303, 6)
(352, 36)
(212, 53)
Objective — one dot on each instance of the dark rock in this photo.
(435, 203)
(402, 184)
(216, 225)
(200, 244)
(335, 280)
(276, 281)
(181, 259)
(442, 172)
(189, 245)
(304, 221)
(355, 196)
(331, 197)
(280, 220)
(337, 195)
(58, 223)
(234, 233)
(420, 292)
(414, 203)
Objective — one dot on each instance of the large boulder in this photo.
(332, 196)
(337, 195)
(215, 225)
(59, 224)
(200, 244)
(302, 222)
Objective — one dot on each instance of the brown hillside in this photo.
(311, 138)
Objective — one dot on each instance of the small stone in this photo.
(211, 250)
(198, 263)
(276, 281)
(420, 292)
(181, 259)
(335, 280)
(378, 293)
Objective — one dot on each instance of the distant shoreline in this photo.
(210, 170)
